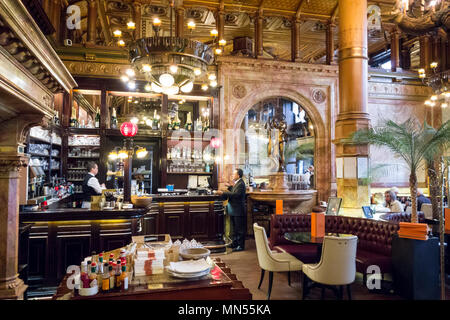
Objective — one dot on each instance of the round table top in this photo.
(305, 237)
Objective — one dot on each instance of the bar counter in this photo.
(62, 237)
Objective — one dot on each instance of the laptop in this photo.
(334, 205)
(368, 212)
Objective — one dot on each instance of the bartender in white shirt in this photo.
(91, 186)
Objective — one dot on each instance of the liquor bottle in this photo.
(199, 125)
(56, 119)
(73, 120)
(188, 125)
(113, 119)
(124, 277)
(97, 119)
(169, 125)
(206, 126)
(105, 278)
(118, 275)
(112, 276)
(93, 276)
(155, 122)
(176, 122)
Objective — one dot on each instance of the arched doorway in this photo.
(260, 158)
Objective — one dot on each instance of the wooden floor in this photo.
(244, 265)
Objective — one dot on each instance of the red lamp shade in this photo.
(128, 129)
(215, 143)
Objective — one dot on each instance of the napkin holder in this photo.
(317, 224)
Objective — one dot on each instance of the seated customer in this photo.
(391, 202)
(421, 199)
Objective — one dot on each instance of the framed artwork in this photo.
(334, 205)
(368, 213)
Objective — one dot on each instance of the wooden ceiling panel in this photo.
(289, 5)
(321, 7)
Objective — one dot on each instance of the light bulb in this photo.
(187, 87)
(131, 25)
(191, 25)
(433, 65)
(427, 102)
(156, 88)
(421, 70)
(141, 153)
(148, 122)
(148, 87)
(136, 101)
(173, 68)
(197, 71)
(121, 43)
(130, 72)
(204, 87)
(134, 120)
(113, 155)
(166, 80)
(447, 94)
(123, 154)
(432, 104)
(214, 32)
(124, 78)
(218, 51)
(213, 83)
(212, 76)
(422, 75)
(156, 22)
(434, 97)
(222, 42)
(146, 68)
(444, 105)
(132, 85)
(117, 33)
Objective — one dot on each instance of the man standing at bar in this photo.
(91, 186)
(236, 210)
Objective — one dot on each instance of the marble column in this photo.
(353, 100)
(395, 50)
(179, 22)
(329, 43)
(221, 24)
(259, 35)
(92, 22)
(295, 40)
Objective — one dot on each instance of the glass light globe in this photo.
(213, 83)
(187, 87)
(197, 71)
(156, 88)
(124, 78)
(132, 85)
(148, 122)
(134, 120)
(123, 154)
(146, 68)
(173, 68)
(204, 87)
(148, 87)
(130, 72)
(173, 90)
(166, 80)
(117, 33)
(113, 155)
(212, 77)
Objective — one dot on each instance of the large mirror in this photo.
(261, 157)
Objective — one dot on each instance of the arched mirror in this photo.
(260, 151)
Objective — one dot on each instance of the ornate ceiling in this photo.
(239, 17)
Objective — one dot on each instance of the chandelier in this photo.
(171, 64)
(438, 81)
(416, 17)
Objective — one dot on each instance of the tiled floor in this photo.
(245, 266)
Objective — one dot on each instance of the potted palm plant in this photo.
(415, 144)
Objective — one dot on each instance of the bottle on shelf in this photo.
(188, 125)
(97, 119)
(176, 122)
(155, 122)
(105, 278)
(56, 118)
(93, 282)
(112, 275)
(124, 277)
(73, 120)
(198, 125)
(113, 119)
(118, 275)
(169, 123)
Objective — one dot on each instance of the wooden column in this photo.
(448, 50)
(330, 43)
(425, 52)
(56, 15)
(258, 35)
(92, 22)
(353, 99)
(221, 24)
(405, 57)
(46, 5)
(137, 19)
(295, 39)
(435, 50)
(395, 50)
(179, 22)
(443, 53)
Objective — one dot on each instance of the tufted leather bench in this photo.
(374, 238)
(402, 217)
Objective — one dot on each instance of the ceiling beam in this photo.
(299, 9)
(335, 12)
(104, 21)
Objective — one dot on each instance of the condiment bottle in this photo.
(93, 276)
(84, 277)
(112, 275)
(118, 275)
(89, 267)
(111, 258)
(124, 278)
(105, 278)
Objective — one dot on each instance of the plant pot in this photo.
(416, 268)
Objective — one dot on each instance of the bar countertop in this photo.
(185, 198)
(65, 214)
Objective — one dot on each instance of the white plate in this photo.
(189, 266)
(188, 276)
(108, 208)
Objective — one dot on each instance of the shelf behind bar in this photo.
(192, 173)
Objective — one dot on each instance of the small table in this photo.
(305, 237)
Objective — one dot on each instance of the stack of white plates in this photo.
(189, 269)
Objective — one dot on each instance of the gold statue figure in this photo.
(281, 126)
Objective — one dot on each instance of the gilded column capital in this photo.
(10, 166)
